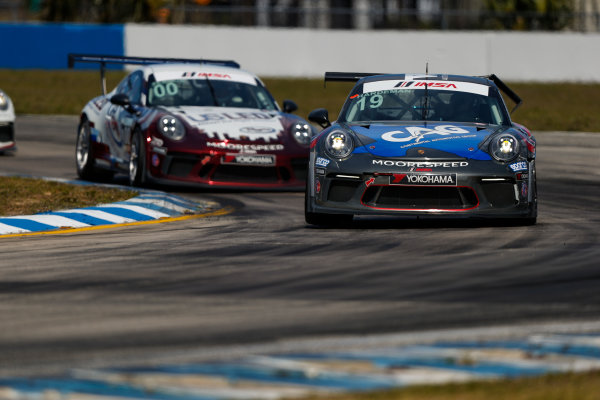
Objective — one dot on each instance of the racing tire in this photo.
(137, 160)
(531, 219)
(84, 155)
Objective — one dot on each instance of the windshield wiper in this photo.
(426, 104)
(212, 90)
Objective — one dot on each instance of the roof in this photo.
(198, 71)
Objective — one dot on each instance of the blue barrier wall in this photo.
(46, 46)
(514, 56)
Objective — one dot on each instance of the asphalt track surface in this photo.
(118, 296)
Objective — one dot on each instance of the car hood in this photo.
(243, 124)
(424, 140)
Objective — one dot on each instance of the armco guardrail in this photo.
(514, 56)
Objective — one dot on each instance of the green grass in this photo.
(551, 106)
(26, 196)
(568, 386)
(53, 92)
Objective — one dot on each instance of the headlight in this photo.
(504, 147)
(302, 133)
(339, 144)
(3, 101)
(171, 127)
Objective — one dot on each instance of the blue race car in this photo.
(421, 145)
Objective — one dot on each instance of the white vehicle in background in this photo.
(7, 123)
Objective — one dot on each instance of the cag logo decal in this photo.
(416, 133)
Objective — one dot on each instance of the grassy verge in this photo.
(552, 106)
(25, 196)
(569, 386)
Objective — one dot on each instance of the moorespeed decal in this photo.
(322, 162)
(249, 159)
(417, 133)
(518, 166)
(421, 164)
(423, 179)
(409, 84)
(245, 147)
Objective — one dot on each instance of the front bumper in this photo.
(210, 168)
(481, 189)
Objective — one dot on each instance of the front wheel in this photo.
(84, 155)
(137, 160)
(531, 219)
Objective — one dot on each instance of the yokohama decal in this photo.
(266, 160)
(423, 179)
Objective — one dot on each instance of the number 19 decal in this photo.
(375, 101)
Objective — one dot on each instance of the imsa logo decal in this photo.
(414, 179)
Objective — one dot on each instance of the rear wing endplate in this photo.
(506, 90)
(103, 60)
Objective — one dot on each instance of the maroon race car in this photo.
(197, 122)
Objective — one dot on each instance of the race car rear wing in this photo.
(107, 59)
(347, 76)
(506, 90)
(356, 76)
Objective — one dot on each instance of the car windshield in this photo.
(424, 104)
(202, 92)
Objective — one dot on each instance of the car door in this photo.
(121, 120)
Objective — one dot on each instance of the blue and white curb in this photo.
(286, 375)
(146, 206)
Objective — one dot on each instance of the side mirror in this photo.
(289, 106)
(120, 99)
(320, 116)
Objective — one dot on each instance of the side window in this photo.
(136, 81)
(123, 87)
(132, 86)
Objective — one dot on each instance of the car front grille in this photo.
(420, 198)
(342, 190)
(499, 194)
(180, 164)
